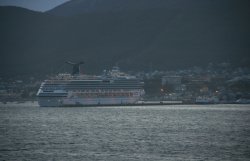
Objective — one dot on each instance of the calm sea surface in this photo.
(180, 132)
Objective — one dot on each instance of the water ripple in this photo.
(217, 132)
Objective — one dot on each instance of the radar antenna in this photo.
(76, 67)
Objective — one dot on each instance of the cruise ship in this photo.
(111, 88)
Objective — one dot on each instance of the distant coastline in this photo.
(141, 103)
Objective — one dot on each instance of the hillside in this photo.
(39, 43)
(76, 7)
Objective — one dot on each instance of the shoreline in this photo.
(140, 103)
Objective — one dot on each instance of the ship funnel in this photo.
(76, 67)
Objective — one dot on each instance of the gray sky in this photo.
(36, 5)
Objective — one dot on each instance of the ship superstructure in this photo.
(111, 88)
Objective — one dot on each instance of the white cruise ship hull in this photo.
(58, 101)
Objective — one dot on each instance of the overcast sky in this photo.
(36, 5)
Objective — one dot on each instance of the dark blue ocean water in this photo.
(200, 132)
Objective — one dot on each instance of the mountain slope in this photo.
(35, 43)
(76, 7)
